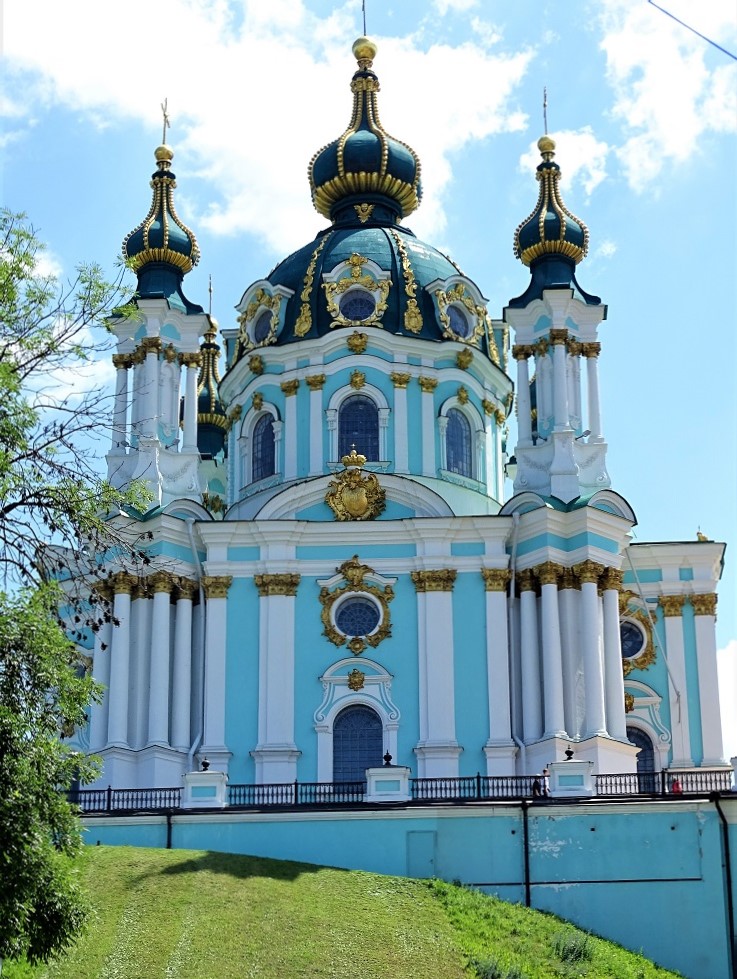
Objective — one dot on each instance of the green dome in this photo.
(365, 165)
(551, 229)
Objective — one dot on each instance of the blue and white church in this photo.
(336, 571)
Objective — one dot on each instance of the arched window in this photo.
(459, 453)
(358, 743)
(358, 424)
(645, 759)
(263, 462)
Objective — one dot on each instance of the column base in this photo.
(119, 768)
(275, 763)
(501, 757)
(437, 759)
(160, 765)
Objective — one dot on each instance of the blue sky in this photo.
(644, 114)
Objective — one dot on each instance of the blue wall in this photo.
(647, 875)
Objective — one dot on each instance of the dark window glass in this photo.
(358, 740)
(645, 759)
(632, 640)
(263, 327)
(458, 321)
(358, 424)
(458, 444)
(357, 617)
(263, 448)
(357, 305)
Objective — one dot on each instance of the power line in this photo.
(694, 31)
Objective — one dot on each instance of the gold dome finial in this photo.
(163, 155)
(546, 145)
(364, 51)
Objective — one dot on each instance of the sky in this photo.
(644, 113)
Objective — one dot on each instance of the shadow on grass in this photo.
(237, 866)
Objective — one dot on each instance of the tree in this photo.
(54, 514)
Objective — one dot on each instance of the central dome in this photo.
(365, 169)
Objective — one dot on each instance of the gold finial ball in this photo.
(364, 49)
(163, 154)
(546, 145)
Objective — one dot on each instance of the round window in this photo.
(633, 641)
(263, 327)
(357, 616)
(459, 323)
(357, 305)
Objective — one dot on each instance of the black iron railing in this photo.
(469, 788)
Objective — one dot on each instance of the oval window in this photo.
(357, 616)
(633, 641)
(263, 327)
(357, 305)
(459, 323)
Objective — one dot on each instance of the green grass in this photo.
(189, 915)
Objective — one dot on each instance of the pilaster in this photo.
(672, 606)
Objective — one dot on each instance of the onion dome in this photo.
(162, 249)
(551, 241)
(212, 421)
(365, 166)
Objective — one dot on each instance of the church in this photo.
(380, 520)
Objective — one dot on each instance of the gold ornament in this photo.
(629, 703)
(290, 387)
(257, 401)
(704, 604)
(256, 364)
(363, 211)
(441, 580)
(216, 586)
(276, 584)
(353, 495)
(462, 395)
(358, 379)
(356, 679)
(357, 342)
(315, 382)
(354, 574)
(464, 358)
(399, 380)
(304, 320)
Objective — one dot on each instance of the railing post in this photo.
(296, 792)
(662, 781)
(109, 807)
(478, 785)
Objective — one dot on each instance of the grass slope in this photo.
(181, 914)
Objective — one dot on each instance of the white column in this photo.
(437, 751)
(574, 389)
(442, 438)
(591, 352)
(213, 740)
(616, 722)
(99, 713)
(401, 439)
(705, 607)
(548, 574)
(315, 383)
(560, 381)
(182, 666)
(568, 598)
(497, 657)
(136, 397)
(672, 606)
(290, 425)
(117, 736)
(532, 725)
(122, 363)
(524, 411)
(276, 753)
(383, 433)
(192, 362)
(150, 402)
(588, 573)
(158, 692)
(140, 663)
(429, 463)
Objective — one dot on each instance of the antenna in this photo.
(167, 124)
(545, 109)
(209, 289)
(363, 8)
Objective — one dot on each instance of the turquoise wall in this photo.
(647, 875)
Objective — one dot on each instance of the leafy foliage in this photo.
(54, 514)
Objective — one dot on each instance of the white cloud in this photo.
(666, 95)
(47, 264)
(606, 249)
(581, 157)
(727, 666)
(456, 6)
(226, 55)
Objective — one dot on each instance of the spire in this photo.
(365, 174)
(212, 422)
(162, 249)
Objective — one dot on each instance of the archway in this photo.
(358, 743)
(645, 759)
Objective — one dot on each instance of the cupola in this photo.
(365, 175)
(212, 422)
(162, 249)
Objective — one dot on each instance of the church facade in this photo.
(336, 572)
